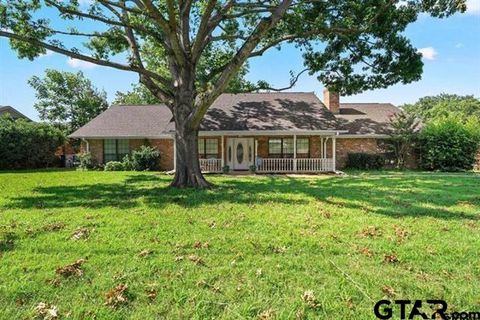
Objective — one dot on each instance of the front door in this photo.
(242, 153)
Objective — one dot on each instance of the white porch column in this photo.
(223, 155)
(321, 148)
(174, 154)
(295, 153)
(334, 151)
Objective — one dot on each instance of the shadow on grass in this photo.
(391, 195)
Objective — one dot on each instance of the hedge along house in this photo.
(275, 132)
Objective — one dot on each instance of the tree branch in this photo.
(238, 60)
(293, 82)
(203, 30)
(82, 57)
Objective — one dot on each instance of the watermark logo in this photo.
(412, 309)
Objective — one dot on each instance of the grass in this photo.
(267, 246)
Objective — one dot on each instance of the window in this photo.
(283, 148)
(115, 150)
(208, 148)
(303, 148)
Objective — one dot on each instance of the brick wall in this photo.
(96, 149)
(351, 145)
(165, 146)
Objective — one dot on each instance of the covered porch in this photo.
(268, 152)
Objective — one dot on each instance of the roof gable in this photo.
(14, 113)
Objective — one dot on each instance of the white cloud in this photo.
(428, 53)
(473, 6)
(80, 64)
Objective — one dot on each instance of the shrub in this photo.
(226, 169)
(114, 166)
(146, 158)
(127, 163)
(25, 144)
(449, 145)
(365, 161)
(87, 161)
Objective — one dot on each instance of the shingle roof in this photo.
(269, 111)
(13, 112)
(289, 111)
(366, 118)
(127, 122)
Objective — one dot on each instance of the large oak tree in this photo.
(187, 52)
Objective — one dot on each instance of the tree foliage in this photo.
(67, 100)
(25, 144)
(444, 105)
(449, 144)
(187, 53)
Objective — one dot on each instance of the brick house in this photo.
(276, 132)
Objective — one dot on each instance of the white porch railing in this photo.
(211, 165)
(282, 165)
(314, 164)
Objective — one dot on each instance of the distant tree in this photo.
(401, 142)
(445, 105)
(138, 95)
(67, 100)
(350, 45)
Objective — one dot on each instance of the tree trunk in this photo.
(187, 165)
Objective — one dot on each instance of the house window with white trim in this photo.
(207, 148)
(283, 148)
(115, 149)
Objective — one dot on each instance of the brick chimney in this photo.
(331, 100)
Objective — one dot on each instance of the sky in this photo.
(450, 49)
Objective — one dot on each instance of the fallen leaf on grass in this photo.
(81, 233)
(277, 249)
(349, 303)
(152, 294)
(366, 252)
(73, 269)
(370, 232)
(54, 226)
(401, 233)
(196, 259)
(117, 296)
(266, 315)
(388, 291)
(46, 311)
(390, 258)
(19, 302)
(145, 253)
(310, 300)
(199, 245)
(471, 225)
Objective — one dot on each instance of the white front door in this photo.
(242, 153)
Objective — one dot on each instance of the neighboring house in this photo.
(276, 132)
(14, 113)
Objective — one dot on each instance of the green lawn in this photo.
(251, 247)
